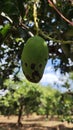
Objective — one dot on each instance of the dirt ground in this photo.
(33, 123)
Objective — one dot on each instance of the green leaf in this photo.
(4, 32)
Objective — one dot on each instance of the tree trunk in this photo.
(20, 115)
(47, 114)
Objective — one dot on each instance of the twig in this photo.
(27, 28)
(67, 20)
(46, 36)
(53, 39)
(35, 16)
(7, 17)
(69, 93)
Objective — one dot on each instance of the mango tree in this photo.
(21, 98)
(20, 20)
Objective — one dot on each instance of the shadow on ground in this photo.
(13, 126)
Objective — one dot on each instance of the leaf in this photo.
(21, 7)
(10, 8)
(4, 32)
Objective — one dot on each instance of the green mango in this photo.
(34, 58)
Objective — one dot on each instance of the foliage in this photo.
(65, 106)
(24, 98)
(21, 98)
(21, 19)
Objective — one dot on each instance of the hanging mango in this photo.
(34, 58)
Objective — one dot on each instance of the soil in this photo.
(33, 123)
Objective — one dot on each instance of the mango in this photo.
(34, 58)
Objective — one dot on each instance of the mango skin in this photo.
(34, 58)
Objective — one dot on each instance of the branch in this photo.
(53, 39)
(46, 36)
(69, 93)
(62, 16)
(27, 29)
(7, 17)
(35, 16)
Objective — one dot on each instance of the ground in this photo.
(33, 123)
